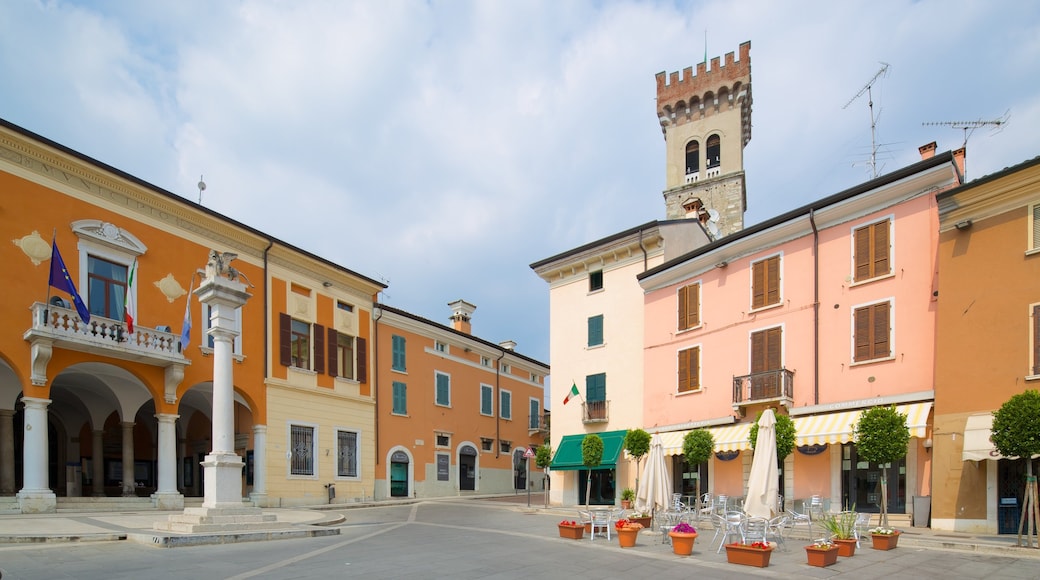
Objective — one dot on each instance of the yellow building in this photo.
(988, 336)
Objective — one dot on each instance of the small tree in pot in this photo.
(637, 443)
(697, 448)
(543, 459)
(1016, 433)
(591, 457)
(882, 437)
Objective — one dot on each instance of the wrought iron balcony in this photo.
(595, 411)
(764, 387)
(538, 425)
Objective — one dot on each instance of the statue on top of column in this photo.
(219, 264)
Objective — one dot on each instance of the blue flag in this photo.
(61, 280)
(186, 325)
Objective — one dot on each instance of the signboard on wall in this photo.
(443, 461)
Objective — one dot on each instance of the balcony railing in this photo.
(595, 411)
(538, 424)
(103, 336)
(776, 385)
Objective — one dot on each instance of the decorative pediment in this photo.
(110, 235)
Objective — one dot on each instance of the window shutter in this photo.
(773, 280)
(333, 344)
(596, 388)
(862, 258)
(1036, 339)
(683, 309)
(758, 352)
(398, 363)
(773, 346)
(758, 285)
(684, 371)
(319, 349)
(693, 306)
(880, 249)
(881, 327)
(862, 334)
(695, 368)
(285, 340)
(1036, 226)
(362, 359)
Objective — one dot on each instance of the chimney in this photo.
(508, 344)
(958, 158)
(927, 151)
(460, 314)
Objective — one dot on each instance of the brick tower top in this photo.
(695, 96)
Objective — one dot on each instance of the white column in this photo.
(7, 452)
(36, 495)
(166, 496)
(223, 392)
(129, 482)
(259, 493)
(97, 462)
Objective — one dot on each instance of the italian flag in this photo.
(573, 393)
(129, 308)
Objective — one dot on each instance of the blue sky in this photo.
(444, 146)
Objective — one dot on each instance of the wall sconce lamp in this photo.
(928, 444)
(722, 264)
(963, 225)
(327, 284)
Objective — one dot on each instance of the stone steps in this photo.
(104, 504)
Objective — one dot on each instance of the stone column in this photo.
(259, 494)
(129, 482)
(7, 452)
(35, 496)
(166, 496)
(97, 463)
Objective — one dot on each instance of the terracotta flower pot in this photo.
(846, 548)
(821, 556)
(682, 542)
(884, 541)
(627, 536)
(626, 504)
(572, 532)
(645, 522)
(748, 556)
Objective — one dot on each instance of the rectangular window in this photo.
(485, 361)
(398, 350)
(505, 446)
(300, 344)
(1035, 238)
(596, 330)
(535, 414)
(346, 453)
(595, 280)
(443, 387)
(506, 369)
(766, 356)
(689, 369)
(765, 282)
(301, 441)
(344, 306)
(344, 356)
(872, 332)
(505, 404)
(872, 251)
(689, 306)
(486, 400)
(400, 398)
(106, 288)
(486, 444)
(440, 346)
(443, 440)
(596, 388)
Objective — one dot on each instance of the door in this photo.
(861, 483)
(602, 483)
(467, 469)
(398, 479)
(1011, 482)
(519, 469)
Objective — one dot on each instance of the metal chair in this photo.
(706, 507)
(775, 530)
(732, 525)
(794, 518)
(668, 520)
(755, 530)
(862, 524)
(601, 523)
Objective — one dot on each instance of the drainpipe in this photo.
(643, 248)
(498, 403)
(377, 314)
(267, 313)
(816, 308)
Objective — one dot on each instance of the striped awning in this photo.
(733, 437)
(839, 427)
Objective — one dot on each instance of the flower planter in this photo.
(645, 522)
(821, 556)
(748, 556)
(885, 541)
(572, 532)
(627, 536)
(846, 548)
(682, 542)
(626, 504)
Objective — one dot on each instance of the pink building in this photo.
(819, 313)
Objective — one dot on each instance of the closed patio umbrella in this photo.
(655, 487)
(762, 492)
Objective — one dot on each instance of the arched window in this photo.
(693, 157)
(714, 151)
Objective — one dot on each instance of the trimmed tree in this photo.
(637, 443)
(591, 457)
(882, 437)
(543, 459)
(785, 435)
(697, 447)
(1016, 433)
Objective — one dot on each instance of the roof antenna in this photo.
(873, 120)
(202, 187)
(969, 127)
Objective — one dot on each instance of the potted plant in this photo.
(627, 496)
(571, 530)
(637, 443)
(683, 536)
(882, 437)
(626, 532)
(591, 456)
(641, 518)
(753, 554)
(842, 528)
(698, 446)
(884, 538)
(822, 553)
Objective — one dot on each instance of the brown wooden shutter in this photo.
(758, 352)
(682, 308)
(362, 360)
(684, 371)
(880, 250)
(694, 367)
(861, 334)
(758, 285)
(319, 348)
(333, 352)
(773, 344)
(693, 306)
(881, 326)
(1036, 339)
(862, 257)
(285, 340)
(773, 280)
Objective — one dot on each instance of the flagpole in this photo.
(47, 304)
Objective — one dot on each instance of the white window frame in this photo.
(891, 300)
(357, 454)
(437, 434)
(751, 283)
(484, 388)
(291, 447)
(440, 346)
(852, 251)
(504, 368)
(700, 376)
(1034, 229)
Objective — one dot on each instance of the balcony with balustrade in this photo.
(775, 386)
(595, 412)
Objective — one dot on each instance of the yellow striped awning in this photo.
(733, 437)
(839, 427)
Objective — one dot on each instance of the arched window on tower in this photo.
(714, 151)
(693, 157)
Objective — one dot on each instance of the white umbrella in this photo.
(655, 487)
(761, 500)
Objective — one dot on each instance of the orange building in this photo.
(455, 413)
(988, 344)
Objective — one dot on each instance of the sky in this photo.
(443, 146)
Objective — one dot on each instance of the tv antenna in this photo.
(969, 127)
(202, 187)
(873, 120)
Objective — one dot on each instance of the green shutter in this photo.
(400, 398)
(398, 358)
(443, 390)
(596, 330)
(485, 400)
(596, 388)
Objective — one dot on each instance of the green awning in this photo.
(568, 454)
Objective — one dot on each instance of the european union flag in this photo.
(61, 280)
